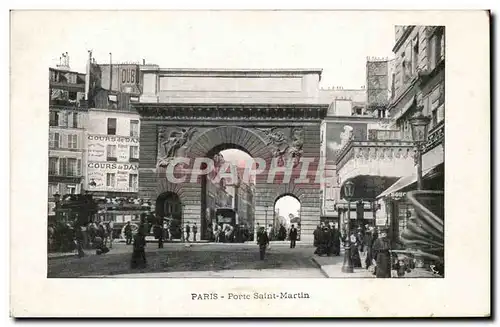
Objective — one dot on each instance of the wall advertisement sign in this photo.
(111, 176)
(97, 146)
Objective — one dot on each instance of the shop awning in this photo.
(402, 183)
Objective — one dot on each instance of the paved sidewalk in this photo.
(332, 268)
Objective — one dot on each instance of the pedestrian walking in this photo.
(160, 235)
(263, 242)
(139, 254)
(195, 230)
(269, 235)
(368, 240)
(188, 231)
(128, 233)
(79, 241)
(356, 259)
(110, 226)
(293, 237)
(382, 257)
(316, 235)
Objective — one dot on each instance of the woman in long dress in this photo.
(356, 259)
(381, 255)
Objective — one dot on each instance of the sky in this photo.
(331, 41)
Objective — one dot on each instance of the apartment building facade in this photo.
(67, 121)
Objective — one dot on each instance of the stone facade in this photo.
(176, 124)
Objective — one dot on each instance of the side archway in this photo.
(169, 205)
(287, 210)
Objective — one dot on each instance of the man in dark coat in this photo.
(128, 233)
(336, 241)
(381, 255)
(293, 237)
(262, 241)
(316, 234)
(139, 253)
(368, 241)
(188, 231)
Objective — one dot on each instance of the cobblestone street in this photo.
(197, 260)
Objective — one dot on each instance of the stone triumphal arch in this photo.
(273, 115)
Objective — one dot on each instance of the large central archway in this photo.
(266, 134)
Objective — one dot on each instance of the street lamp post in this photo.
(265, 224)
(347, 267)
(182, 223)
(419, 129)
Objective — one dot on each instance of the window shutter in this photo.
(79, 167)
(62, 166)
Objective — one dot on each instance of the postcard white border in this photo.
(465, 290)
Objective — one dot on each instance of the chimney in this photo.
(144, 62)
(87, 76)
(110, 71)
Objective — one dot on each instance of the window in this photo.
(54, 140)
(134, 153)
(71, 189)
(404, 70)
(111, 152)
(134, 128)
(72, 167)
(72, 96)
(62, 167)
(52, 166)
(110, 179)
(436, 49)
(54, 118)
(111, 126)
(53, 189)
(78, 167)
(133, 181)
(74, 122)
(414, 58)
(64, 119)
(434, 118)
(72, 141)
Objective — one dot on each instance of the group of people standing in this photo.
(327, 240)
(371, 243)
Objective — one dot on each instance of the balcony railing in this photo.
(384, 135)
(64, 104)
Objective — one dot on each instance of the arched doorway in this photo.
(287, 212)
(228, 193)
(169, 205)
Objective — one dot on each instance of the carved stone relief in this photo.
(287, 143)
(173, 142)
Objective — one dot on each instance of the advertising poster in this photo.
(338, 134)
(97, 147)
(97, 174)
(96, 151)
